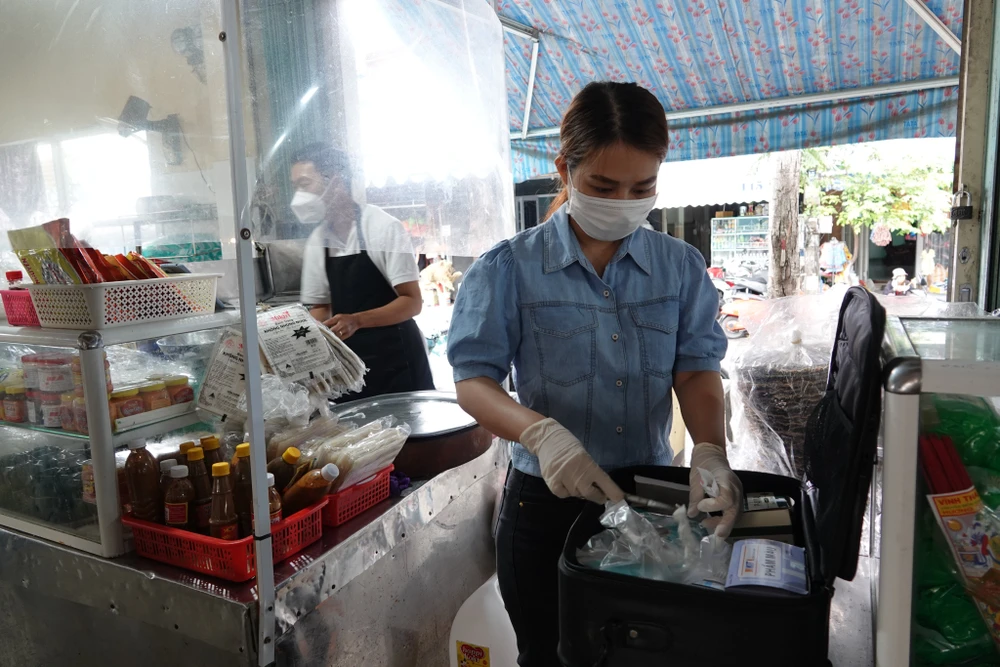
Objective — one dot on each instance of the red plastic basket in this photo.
(229, 560)
(347, 503)
(19, 307)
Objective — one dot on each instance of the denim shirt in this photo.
(597, 355)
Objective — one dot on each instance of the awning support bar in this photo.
(510, 25)
(900, 88)
(936, 24)
(531, 89)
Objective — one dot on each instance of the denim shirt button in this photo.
(607, 294)
(619, 383)
(619, 430)
(614, 337)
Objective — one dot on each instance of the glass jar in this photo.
(66, 412)
(80, 411)
(55, 373)
(179, 389)
(154, 396)
(126, 403)
(51, 410)
(15, 407)
(76, 370)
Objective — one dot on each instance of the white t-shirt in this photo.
(386, 241)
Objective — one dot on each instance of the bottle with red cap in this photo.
(14, 279)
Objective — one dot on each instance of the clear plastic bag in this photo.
(779, 379)
(656, 546)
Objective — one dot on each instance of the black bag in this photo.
(613, 620)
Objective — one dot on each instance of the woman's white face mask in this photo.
(607, 219)
(308, 208)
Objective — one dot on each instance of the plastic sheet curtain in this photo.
(707, 53)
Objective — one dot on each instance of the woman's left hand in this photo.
(344, 325)
(729, 499)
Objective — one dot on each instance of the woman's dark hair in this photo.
(328, 161)
(605, 113)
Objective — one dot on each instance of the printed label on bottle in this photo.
(158, 404)
(87, 477)
(175, 514)
(275, 517)
(130, 407)
(227, 532)
(203, 515)
(32, 415)
(13, 411)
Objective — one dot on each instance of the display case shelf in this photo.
(43, 337)
(122, 438)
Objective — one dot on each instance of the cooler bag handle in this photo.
(634, 636)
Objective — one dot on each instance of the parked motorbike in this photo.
(729, 314)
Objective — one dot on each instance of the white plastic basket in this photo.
(116, 304)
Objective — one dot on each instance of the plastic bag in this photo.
(779, 379)
(363, 459)
(656, 546)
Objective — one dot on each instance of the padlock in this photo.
(960, 211)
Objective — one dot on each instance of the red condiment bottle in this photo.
(142, 476)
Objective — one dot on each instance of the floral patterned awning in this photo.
(700, 54)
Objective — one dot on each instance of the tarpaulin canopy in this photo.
(721, 180)
(737, 76)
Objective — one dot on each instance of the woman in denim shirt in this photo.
(601, 319)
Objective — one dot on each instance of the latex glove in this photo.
(567, 468)
(729, 500)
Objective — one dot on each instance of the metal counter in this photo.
(382, 589)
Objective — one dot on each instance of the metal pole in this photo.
(796, 100)
(899, 494)
(936, 24)
(531, 89)
(230, 38)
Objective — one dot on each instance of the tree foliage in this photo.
(865, 192)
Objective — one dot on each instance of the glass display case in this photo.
(65, 434)
(942, 377)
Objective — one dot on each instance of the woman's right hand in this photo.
(567, 468)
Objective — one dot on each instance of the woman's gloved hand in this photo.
(729, 500)
(567, 468)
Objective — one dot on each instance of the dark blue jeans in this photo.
(531, 531)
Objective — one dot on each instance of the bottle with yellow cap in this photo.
(223, 522)
(243, 490)
(202, 505)
(213, 450)
(283, 468)
(184, 448)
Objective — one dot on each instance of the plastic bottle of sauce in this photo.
(165, 467)
(126, 403)
(202, 490)
(223, 523)
(15, 407)
(14, 279)
(310, 489)
(178, 502)
(213, 450)
(243, 490)
(283, 468)
(185, 448)
(142, 476)
(273, 500)
(66, 412)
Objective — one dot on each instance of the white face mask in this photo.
(308, 208)
(608, 219)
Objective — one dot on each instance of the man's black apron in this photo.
(395, 355)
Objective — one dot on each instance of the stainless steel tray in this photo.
(431, 414)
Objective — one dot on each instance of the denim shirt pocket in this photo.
(656, 324)
(566, 340)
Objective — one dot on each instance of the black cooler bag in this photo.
(613, 620)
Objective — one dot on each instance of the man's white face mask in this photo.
(308, 208)
(607, 219)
